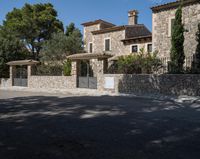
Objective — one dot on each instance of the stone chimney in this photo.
(132, 17)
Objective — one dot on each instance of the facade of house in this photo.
(104, 37)
(162, 20)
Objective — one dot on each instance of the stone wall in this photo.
(88, 37)
(153, 84)
(5, 82)
(52, 82)
(117, 47)
(161, 32)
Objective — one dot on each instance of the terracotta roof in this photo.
(147, 37)
(23, 62)
(97, 22)
(86, 56)
(172, 5)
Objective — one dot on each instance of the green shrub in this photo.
(177, 50)
(67, 68)
(47, 70)
(139, 63)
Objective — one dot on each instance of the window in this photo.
(149, 48)
(134, 49)
(107, 45)
(90, 47)
(170, 27)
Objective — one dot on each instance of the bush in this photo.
(139, 63)
(67, 68)
(48, 70)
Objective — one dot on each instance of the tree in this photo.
(61, 45)
(55, 49)
(70, 29)
(196, 62)
(33, 24)
(177, 51)
(11, 49)
(74, 39)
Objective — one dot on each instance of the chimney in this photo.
(132, 17)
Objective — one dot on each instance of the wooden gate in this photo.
(20, 77)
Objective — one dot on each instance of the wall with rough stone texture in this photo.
(184, 84)
(5, 82)
(52, 82)
(160, 29)
(88, 37)
(117, 47)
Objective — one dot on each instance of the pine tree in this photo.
(196, 62)
(177, 51)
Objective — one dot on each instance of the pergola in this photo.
(20, 71)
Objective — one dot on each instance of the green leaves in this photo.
(33, 24)
(139, 63)
(61, 45)
(177, 50)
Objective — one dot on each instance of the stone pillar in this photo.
(100, 75)
(29, 69)
(74, 73)
(12, 74)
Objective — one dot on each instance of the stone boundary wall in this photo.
(52, 82)
(5, 82)
(165, 84)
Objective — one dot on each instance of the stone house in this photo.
(104, 42)
(163, 18)
(101, 36)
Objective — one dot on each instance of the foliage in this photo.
(67, 68)
(33, 24)
(139, 63)
(196, 62)
(55, 49)
(11, 49)
(177, 51)
(61, 45)
(74, 39)
(48, 70)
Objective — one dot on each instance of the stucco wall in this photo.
(52, 82)
(155, 84)
(161, 38)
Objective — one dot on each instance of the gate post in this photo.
(74, 73)
(100, 73)
(12, 73)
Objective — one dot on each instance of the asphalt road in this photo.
(48, 126)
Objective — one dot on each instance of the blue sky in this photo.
(79, 11)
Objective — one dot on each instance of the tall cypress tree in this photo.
(196, 62)
(177, 51)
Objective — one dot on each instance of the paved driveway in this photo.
(34, 126)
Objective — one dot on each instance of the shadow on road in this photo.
(42, 127)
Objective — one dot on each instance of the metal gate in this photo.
(20, 77)
(86, 79)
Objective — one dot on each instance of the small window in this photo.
(90, 48)
(134, 49)
(172, 25)
(107, 45)
(149, 48)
